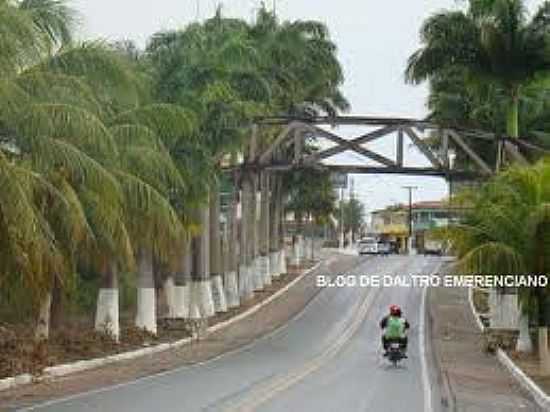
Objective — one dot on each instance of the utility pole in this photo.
(341, 240)
(410, 189)
(350, 211)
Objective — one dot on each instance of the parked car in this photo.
(384, 248)
(368, 246)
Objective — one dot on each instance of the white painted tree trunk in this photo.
(146, 310)
(42, 331)
(182, 301)
(246, 283)
(524, 343)
(246, 258)
(182, 288)
(511, 314)
(265, 270)
(274, 265)
(242, 280)
(107, 312)
(195, 301)
(282, 262)
(258, 276)
(544, 355)
(232, 289)
(146, 315)
(264, 229)
(206, 305)
(503, 309)
(232, 247)
(203, 284)
(169, 289)
(296, 249)
(218, 294)
(215, 252)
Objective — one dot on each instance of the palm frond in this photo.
(52, 17)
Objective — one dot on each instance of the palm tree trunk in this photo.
(265, 271)
(107, 310)
(312, 236)
(544, 355)
(56, 311)
(281, 235)
(231, 257)
(524, 343)
(216, 269)
(42, 331)
(182, 292)
(257, 275)
(169, 292)
(146, 316)
(204, 286)
(512, 116)
(297, 244)
(274, 216)
(246, 255)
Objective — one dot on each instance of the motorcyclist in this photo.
(394, 328)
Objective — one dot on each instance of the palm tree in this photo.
(505, 230)
(494, 41)
(225, 96)
(34, 114)
(56, 98)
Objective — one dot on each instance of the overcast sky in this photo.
(374, 38)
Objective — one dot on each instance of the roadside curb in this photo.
(83, 365)
(540, 397)
(254, 309)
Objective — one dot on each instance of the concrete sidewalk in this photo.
(471, 379)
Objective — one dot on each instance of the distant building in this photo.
(430, 215)
(392, 223)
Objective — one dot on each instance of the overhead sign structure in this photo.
(339, 180)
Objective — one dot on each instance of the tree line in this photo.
(111, 158)
(488, 67)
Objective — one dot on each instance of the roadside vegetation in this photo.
(111, 171)
(488, 67)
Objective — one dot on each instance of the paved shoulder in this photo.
(475, 380)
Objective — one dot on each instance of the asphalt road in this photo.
(328, 358)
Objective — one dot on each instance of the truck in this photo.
(433, 247)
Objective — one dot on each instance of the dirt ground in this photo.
(264, 321)
(19, 353)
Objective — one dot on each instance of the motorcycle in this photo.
(395, 353)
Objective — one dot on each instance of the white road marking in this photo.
(422, 346)
(428, 407)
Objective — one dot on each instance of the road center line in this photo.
(268, 390)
